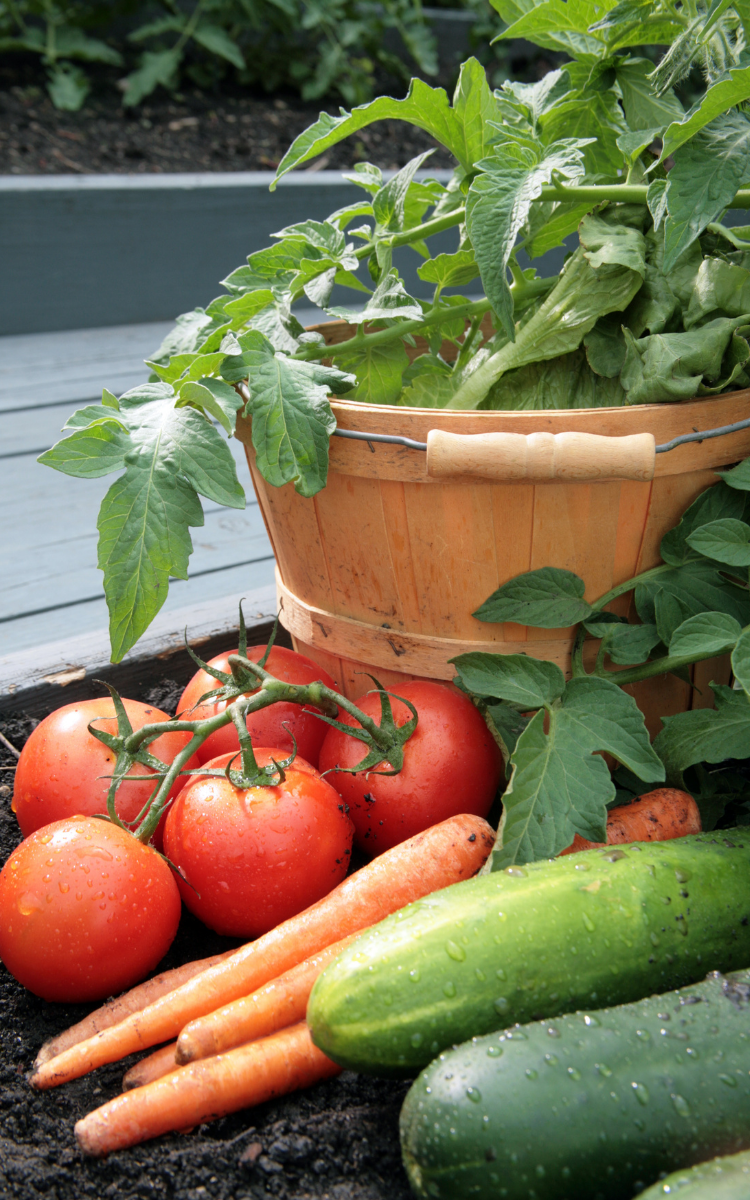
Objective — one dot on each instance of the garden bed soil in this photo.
(192, 133)
(337, 1141)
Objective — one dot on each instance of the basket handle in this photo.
(540, 457)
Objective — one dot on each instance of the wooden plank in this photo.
(34, 681)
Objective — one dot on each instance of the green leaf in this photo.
(460, 129)
(390, 299)
(633, 144)
(549, 598)
(627, 644)
(388, 203)
(90, 452)
(672, 366)
(726, 540)
(156, 67)
(292, 419)
(727, 93)
(696, 587)
(379, 371)
(450, 270)
(721, 289)
(713, 504)
(596, 119)
(559, 785)
(644, 109)
(613, 245)
(555, 383)
(706, 634)
(506, 724)
(559, 25)
(738, 478)
(217, 41)
(705, 734)
(528, 682)
(705, 176)
(741, 661)
(72, 42)
(184, 338)
(497, 206)
(428, 383)
(68, 87)
(216, 398)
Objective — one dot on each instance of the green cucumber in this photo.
(721, 1179)
(591, 1106)
(589, 929)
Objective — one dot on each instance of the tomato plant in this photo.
(267, 727)
(451, 765)
(86, 910)
(63, 769)
(254, 857)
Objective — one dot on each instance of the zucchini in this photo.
(589, 1106)
(721, 1179)
(587, 930)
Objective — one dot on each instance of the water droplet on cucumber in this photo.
(474, 1095)
(454, 951)
(681, 1105)
(588, 922)
(641, 1093)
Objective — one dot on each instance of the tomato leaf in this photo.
(673, 594)
(722, 95)
(741, 661)
(528, 682)
(292, 419)
(715, 503)
(91, 452)
(726, 541)
(378, 370)
(704, 634)
(628, 644)
(705, 734)
(559, 785)
(549, 598)
(390, 299)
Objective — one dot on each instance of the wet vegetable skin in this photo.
(721, 1179)
(597, 928)
(590, 1105)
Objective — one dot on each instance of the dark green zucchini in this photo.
(591, 929)
(720, 1179)
(590, 1106)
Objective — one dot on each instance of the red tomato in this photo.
(258, 856)
(61, 768)
(266, 727)
(451, 765)
(85, 910)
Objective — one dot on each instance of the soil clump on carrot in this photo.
(337, 1141)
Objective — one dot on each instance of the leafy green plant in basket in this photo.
(653, 304)
(695, 605)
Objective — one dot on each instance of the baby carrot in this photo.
(658, 816)
(152, 1067)
(280, 1003)
(133, 1001)
(444, 854)
(204, 1090)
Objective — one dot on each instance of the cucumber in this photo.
(588, 1107)
(721, 1179)
(587, 930)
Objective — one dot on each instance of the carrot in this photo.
(444, 854)
(133, 1001)
(280, 1003)
(656, 817)
(152, 1067)
(205, 1090)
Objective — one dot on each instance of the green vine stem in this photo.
(384, 741)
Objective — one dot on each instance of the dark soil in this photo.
(194, 133)
(337, 1141)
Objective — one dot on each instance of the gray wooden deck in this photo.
(50, 587)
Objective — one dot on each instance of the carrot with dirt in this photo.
(117, 1010)
(153, 1066)
(280, 1003)
(204, 1090)
(446, 853)
(658, 816)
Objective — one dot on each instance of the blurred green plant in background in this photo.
(316, 47)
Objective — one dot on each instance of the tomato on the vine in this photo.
(271, 726)
(86, 910)
(254, 857)
(451, 765)
(62, 769)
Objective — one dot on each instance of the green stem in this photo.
(467, 343)
(13, 10)
(190, 28)
(627, 586)
(658, 666)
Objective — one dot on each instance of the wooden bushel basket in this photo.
(381, 570)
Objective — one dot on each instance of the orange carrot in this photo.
(453, 850)
(205, 1090)
(133, 1001)
(280, 1003)
(152, 1067)
(658, 816)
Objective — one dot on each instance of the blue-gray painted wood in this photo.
(50, 587)
(79, 251)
